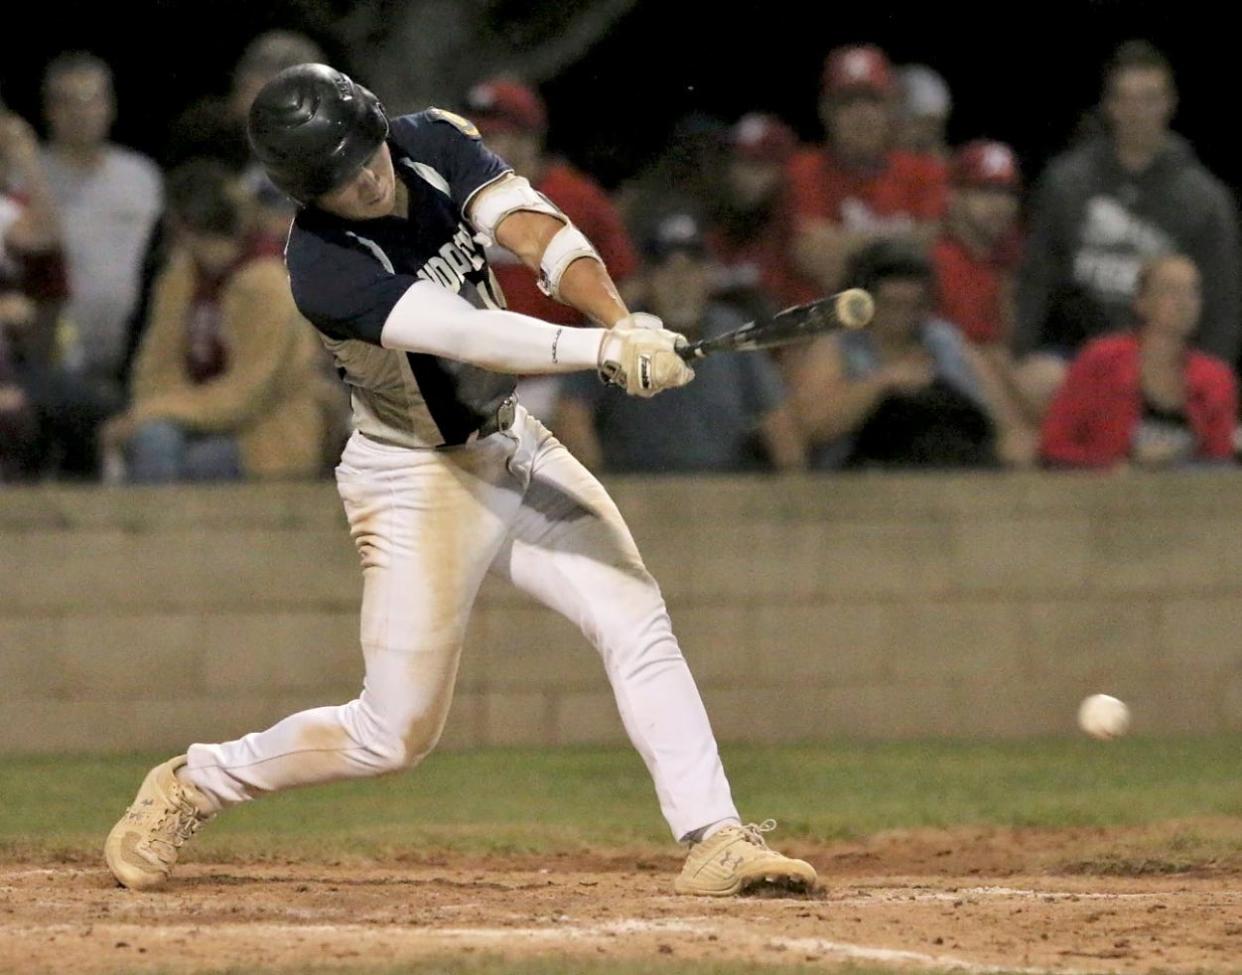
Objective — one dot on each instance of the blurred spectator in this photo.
(749, 233)
(514, 121)
(109, 199)
(975, 258)
(901, 392)
(215, 127)
(685, 178)
(224, 385)
(923, 118)
(857, 188)
(1147, 396)
(710, 425)
(978, 249)
(36, 422)
(1113, 202)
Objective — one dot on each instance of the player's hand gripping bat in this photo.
(849, 309)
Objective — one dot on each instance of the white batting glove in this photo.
(641, 357)
(639, 319)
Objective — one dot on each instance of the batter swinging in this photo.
(446, 477)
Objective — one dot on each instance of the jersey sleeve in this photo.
(452, 149)
(341, 289)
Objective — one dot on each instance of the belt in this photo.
(502, 419)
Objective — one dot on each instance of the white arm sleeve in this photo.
(431, 319)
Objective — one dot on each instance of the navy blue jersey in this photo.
(347, 275)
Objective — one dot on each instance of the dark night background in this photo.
(1022, 72)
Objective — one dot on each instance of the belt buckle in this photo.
(506, 414)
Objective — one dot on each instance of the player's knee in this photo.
(396, 750)
(387, 753)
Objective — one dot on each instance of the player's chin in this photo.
(381, 206)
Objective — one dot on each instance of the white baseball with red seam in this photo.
(1104, 717)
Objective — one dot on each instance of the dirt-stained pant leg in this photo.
(570, 548)
(427, 525)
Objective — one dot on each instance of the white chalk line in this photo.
(559, 933)
(898, 895)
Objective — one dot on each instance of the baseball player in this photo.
(446, 477)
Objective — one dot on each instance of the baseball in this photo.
(1103, 717)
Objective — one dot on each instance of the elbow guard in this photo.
(507, 196)
(567, 246)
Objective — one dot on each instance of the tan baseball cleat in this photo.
(736, 859)
(143, 847)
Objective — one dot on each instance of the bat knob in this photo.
(854, 308)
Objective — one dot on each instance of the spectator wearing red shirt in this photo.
(976, 258)
(514, 122)
(857, 188)
(977, 252)
(1147, 397)
(749, 233)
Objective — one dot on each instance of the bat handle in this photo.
(692, 351)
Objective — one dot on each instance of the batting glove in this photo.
(642, 358)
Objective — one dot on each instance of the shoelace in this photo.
(185, 822)
(754, 832)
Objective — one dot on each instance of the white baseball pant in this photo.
(428, 524)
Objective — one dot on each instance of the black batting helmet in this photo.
(312, 128)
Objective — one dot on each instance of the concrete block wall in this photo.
(868, 606)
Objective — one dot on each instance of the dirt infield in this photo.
(971, 900)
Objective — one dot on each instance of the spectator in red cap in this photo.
(978, 250)
(857, 188)
(975, 259)
(512, 118)
(749, 231)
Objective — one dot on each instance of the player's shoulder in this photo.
(312, 241)
(431, 127)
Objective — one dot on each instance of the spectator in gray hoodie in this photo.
(1112, 203)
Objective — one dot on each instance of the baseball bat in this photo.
(848, 309)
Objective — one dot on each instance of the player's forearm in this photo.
(584, 283)
(432, 320)
(588, 287)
